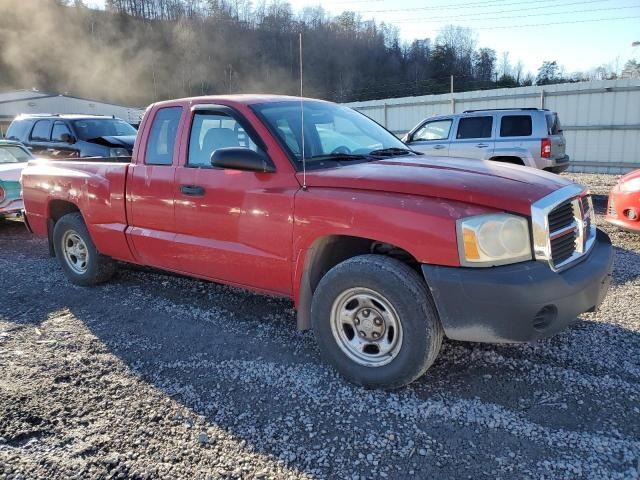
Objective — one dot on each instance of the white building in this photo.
(33, 101)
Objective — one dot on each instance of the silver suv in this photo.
(523, 136)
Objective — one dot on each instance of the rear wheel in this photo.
(375, 321)
(80, 260)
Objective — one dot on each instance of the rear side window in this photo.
(41, 131)
(436, 130)
(211, 131)
(553, 124)
(162, 137)
(474, 127)
(18, 130)
(59, 129)
(515, 126)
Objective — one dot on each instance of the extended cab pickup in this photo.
(383, 250)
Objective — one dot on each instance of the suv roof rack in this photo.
(498, 109)
(39, 115)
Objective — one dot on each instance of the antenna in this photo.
(304, 163)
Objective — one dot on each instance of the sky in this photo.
(579, 35)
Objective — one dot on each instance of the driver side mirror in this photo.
(240, 158)
(67, 138)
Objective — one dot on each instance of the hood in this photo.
(10, 172)
(113, 141)
(490, 184)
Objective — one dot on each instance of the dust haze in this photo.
(119, 58)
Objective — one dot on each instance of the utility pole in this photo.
(453, 100)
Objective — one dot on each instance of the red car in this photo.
(623, 209)
(383, 250)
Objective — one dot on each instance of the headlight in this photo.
(632, 185)
(494, 239)
(119, 152)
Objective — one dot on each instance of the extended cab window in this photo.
(211, 131)
(515, 126)
(59, 129)
(436, 130)
(162, 137)
(474, 127)
(41, 131)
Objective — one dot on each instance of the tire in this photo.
(95, 268)
(402, 352)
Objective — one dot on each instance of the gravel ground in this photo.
(159, 376)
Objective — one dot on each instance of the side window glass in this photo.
(211, 131)
(59, 129)
(474, 127)
(515, 126)
(162, 137)
(18, 130)
(41, 131)
(436, 130)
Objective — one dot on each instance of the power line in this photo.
(517, 10)
(559, 23)
(571, 12)
(457, 6)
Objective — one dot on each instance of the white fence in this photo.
(601, 120)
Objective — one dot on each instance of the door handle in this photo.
(193, 190)
(438, 147)
(482, 145)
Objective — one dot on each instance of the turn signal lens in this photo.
(470, 244)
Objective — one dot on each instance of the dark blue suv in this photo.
(69, 136)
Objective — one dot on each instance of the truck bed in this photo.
(95, 186)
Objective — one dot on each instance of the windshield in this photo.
(331, 132)
(90, 128)
(13, 154)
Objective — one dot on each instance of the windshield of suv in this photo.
(13, 154)
(90, 128)
(332, 133)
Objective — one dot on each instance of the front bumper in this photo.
(619, 206)
(521, 302)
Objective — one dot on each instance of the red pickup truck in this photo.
(383, 250)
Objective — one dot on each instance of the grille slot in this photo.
(563, 247)
(560, 218)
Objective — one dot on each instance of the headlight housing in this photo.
(632, 185)
(493, 239)
(119, 152)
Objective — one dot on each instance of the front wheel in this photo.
(375, 321)
(78, 256)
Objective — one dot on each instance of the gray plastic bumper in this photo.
(521, 302)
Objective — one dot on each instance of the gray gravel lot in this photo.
(158, 376)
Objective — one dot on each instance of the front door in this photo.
(432, 138)
(232, 226)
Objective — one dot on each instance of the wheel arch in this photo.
(56, 210)
(512, 159)
(327, 252)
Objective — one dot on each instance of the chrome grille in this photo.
(562, 227)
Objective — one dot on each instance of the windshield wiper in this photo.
(392, 152)
(337, 156)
